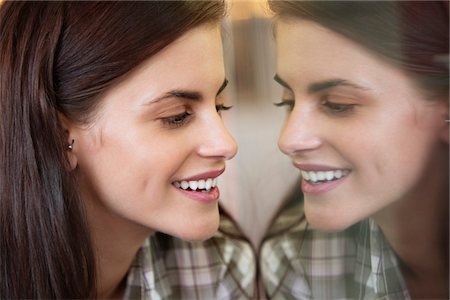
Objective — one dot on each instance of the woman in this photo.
(102, 105)
(366, 84)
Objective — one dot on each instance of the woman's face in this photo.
(361, 133)
(153, 153)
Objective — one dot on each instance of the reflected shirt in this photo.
(165, 267)
(301, 263)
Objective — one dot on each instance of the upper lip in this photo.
(204, 175)
(315, 167)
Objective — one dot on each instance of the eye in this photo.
(287, 103)
(337, 107)
(177, 120)
(222, 107)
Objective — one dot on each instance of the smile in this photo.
(203, 185)
(319, 177)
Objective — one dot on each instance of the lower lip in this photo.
(314, 189)
(205, 197)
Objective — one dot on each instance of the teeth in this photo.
(305, 175)
(203, 184)
(329, 175)
(208, 184)
(323, 175)
(184, 185)
(193, 185)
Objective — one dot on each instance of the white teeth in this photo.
(305, 175)
(184, 185)
(208, 184)
(193, 185)
(203, 184)
(329, 175)
(321, 176)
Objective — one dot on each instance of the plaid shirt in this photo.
(300, 263)
(222, 267)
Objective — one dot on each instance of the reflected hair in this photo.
(57, 58)
(414, 35)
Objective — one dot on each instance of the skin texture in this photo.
(381, 128)
(134, 149)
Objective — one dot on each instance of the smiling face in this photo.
(359, 130)
(151, 156)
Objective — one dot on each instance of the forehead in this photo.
(194, 61)
(306, 43)
(307, 50)
(189, 58)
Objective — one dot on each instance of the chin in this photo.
(327, 226)
(327, 222)
(198, 230)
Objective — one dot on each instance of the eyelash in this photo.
(286, 102)
(222, 107)
(331, 107)
(178, 120)
(181, 119)
(337, 108)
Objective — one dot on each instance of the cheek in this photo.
(114, 165)
(370, 148)
(396, 153)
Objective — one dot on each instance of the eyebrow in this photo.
(222, 87)
(320, 86)
(186, 94)
(323, 85)
(278, 79)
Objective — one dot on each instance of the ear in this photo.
(70, 145)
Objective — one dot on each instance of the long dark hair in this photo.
(414, 35)
(56, 58)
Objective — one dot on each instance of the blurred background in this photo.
(259, 178)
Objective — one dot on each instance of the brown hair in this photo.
(412, 34)
(57, 57)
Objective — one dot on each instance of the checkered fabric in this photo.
(222, 267)
(300, 263)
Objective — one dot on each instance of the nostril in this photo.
(221, 146)
(286, 143)
(285, 147)
(290, 144)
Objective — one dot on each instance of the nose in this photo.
(299, 133)
(216, 140)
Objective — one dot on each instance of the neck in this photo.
(116, 242)
(417, 229)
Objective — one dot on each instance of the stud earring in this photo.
(70, 146)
